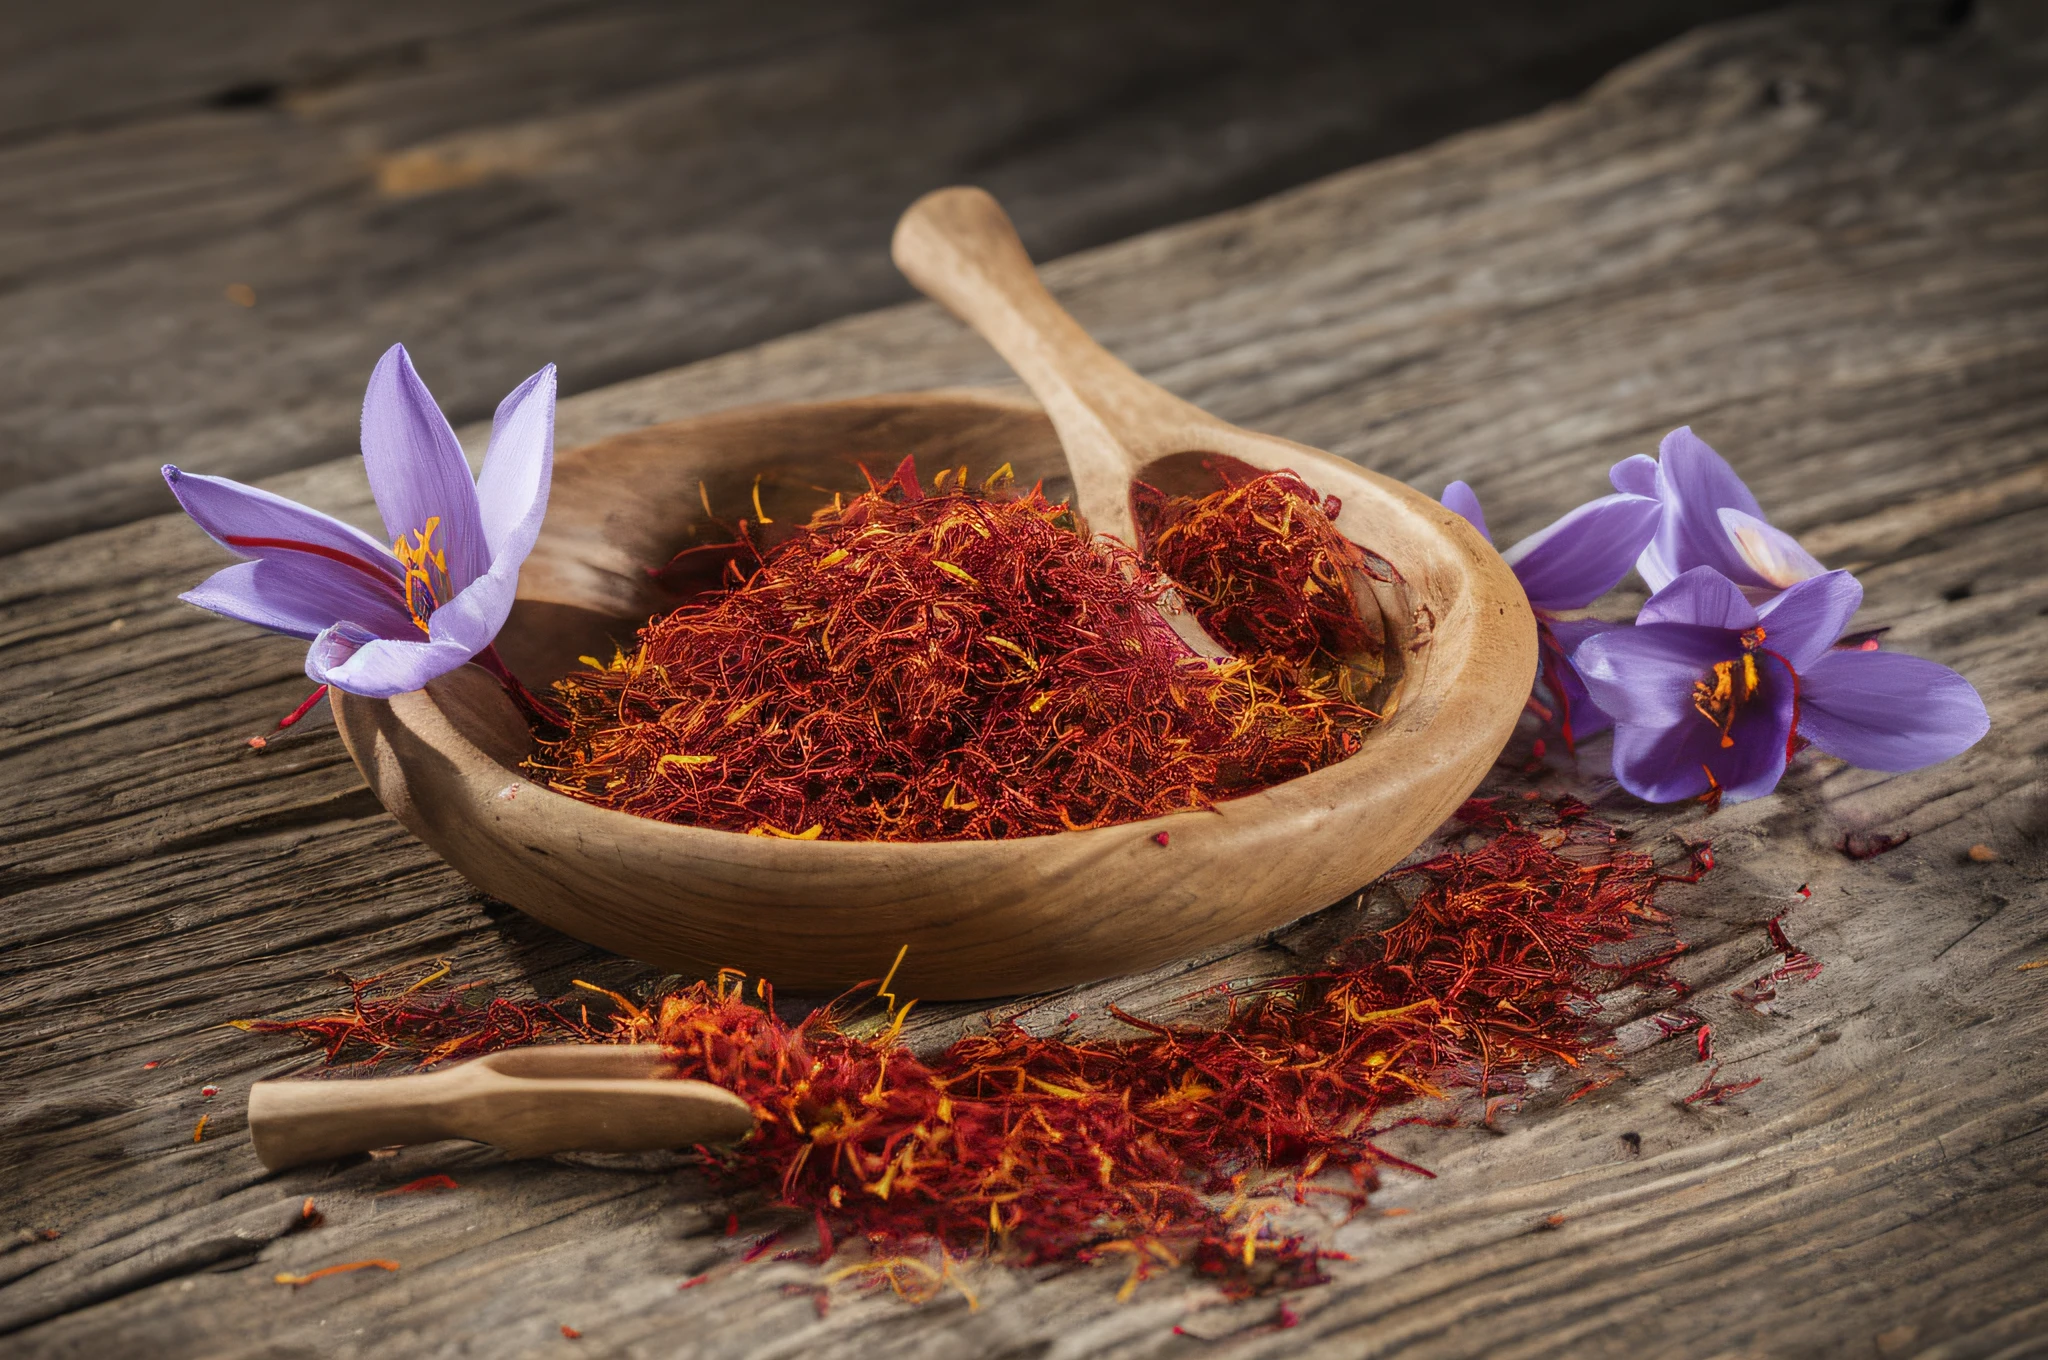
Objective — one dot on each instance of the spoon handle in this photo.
(565, 1098)
(292, 1123)
(958, 247)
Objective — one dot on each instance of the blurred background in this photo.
(213, 216)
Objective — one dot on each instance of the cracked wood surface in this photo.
(1819, 237)
(619, 185)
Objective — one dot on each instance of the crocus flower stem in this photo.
(530, 703)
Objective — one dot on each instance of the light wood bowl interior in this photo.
(980, 918)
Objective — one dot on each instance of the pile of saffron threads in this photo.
(933, 665)
(1267, 573)
(1175, 1147)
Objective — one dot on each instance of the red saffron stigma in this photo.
(1174, 1147)
(951, 664)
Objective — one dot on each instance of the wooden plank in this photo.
(1816, 237)
(618, 186)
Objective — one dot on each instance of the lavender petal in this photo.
(1696, 484)
(1635, 475)
(1703, 598)
(300, 597)
(1644, 675)
(1664, 764)
(1583, 555)
(355, 660)
(1771, 553)
(1803, 623)
(512, 490)
(416, 468)
(257, 523)
(1460, 498)
(1888, 711)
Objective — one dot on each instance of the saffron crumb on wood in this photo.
(344, 1268)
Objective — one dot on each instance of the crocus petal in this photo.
(1635, 475)
(1771, 553)
(472, 619)
(355, 660)
(1696, 484)
(416, 468)
(1703, 598)
(1663, 764)
(301, 597)
(1563, 636)
(1887, 711)
(1644, 675)
(258, 523)
(1585, 554)
(1459, 497)
(1803, 623)
(512, 490)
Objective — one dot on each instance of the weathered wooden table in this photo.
(1819, 237)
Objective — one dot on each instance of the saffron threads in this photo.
(286, 1277)
(1175, 1148)
(1269, 576)
(929, 666)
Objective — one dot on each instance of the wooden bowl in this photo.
(980, 918)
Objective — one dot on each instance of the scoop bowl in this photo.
(979, 918)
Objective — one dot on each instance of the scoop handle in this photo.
(558, 1098)
(292, 1123)
(958, 246)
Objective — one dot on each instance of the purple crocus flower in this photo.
(1710, 520)
(1563, 568)
(386, 620)
(1711, 694)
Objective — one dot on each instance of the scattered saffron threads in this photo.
(423, 1185)
(152, 1064)
(692, 1282)
(760, 1246)
(310, 1216)
(930, 666)
(1717, 1092)
(1170, 1149)
(2030, 967)
(199, 1129)
(1597, 1084)
(732, 1225)
(258, 743)
(571, 1332)
(344, 1268)
(1870, 846)
(1161, 839)
(1794, 965)
(1706, 1041)
(1981, 853)
(208, 1092)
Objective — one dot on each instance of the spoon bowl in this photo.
(979, 918)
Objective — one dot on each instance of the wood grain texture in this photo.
(618, 185)
(1818, 237)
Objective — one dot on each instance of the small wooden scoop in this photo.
(528, 1101)
(958, 246)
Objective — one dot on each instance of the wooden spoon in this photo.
(959, 247)
(528, 1101)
